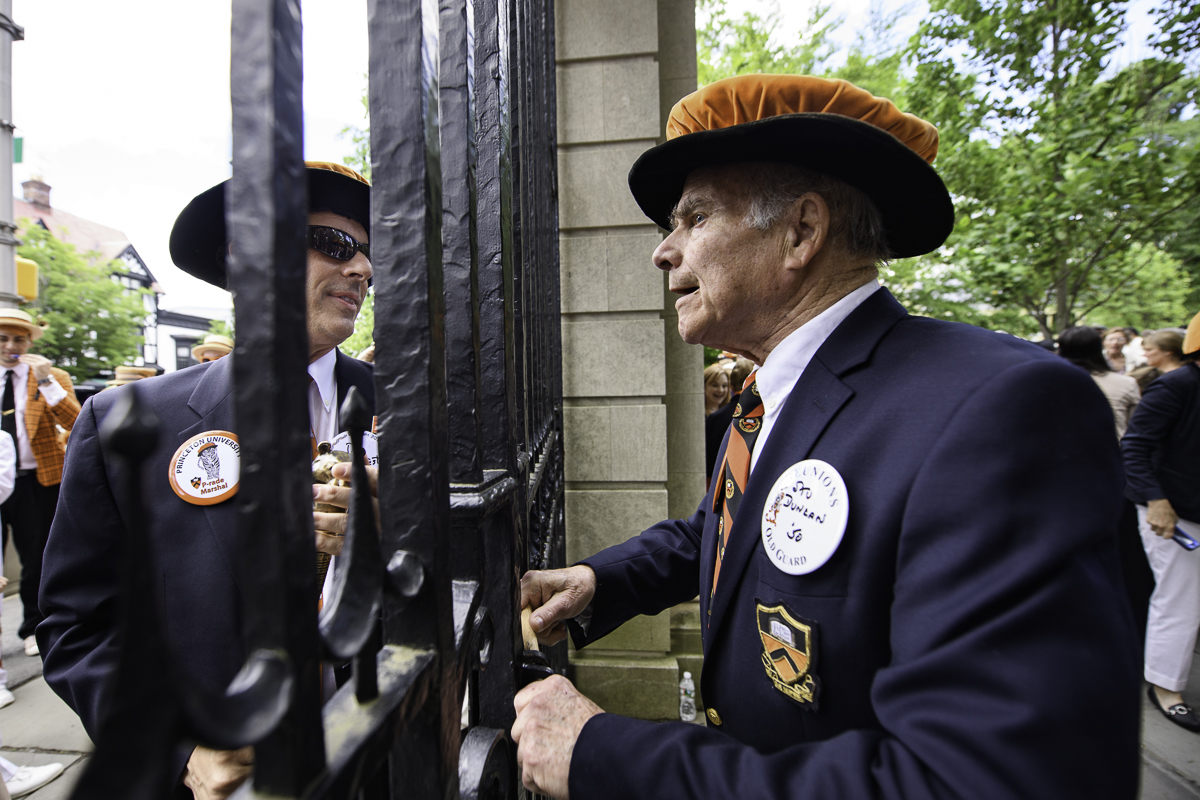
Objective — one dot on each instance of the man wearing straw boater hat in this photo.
(906, 567)
(37, 400)
(193, 475)
(213, 347)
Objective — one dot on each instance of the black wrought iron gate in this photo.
(468, 392)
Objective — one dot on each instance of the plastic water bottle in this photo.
(687, 698)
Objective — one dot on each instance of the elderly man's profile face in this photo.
(335, 289)
(728, 274)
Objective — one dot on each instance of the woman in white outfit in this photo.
(1162, 467)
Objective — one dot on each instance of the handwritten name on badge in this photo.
(805, 517)
(205, 468)
(370, 443)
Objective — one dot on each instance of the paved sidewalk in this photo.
(39, 729)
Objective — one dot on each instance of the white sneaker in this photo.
(6, 697)
(31, 648)
(29, 779)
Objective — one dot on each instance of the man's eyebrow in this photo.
(687, 206)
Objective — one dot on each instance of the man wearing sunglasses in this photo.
(194, 543)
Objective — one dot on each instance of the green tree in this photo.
(364, 328)
(727, 46)
(360, 159)
(1069, 175)
(93, 320)
(220, 327)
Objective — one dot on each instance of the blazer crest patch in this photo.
(790, 654)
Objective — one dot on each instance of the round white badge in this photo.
(370, 442)
(805, 517)
(205, 468)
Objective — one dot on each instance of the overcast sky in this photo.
(125, 109)
(124, 106)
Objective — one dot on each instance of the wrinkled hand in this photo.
(1161, 517)
(216, 774)
(39, 365)
(331, 527)
(550, 715)
(556, 596)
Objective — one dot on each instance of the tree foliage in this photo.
(364, 328)
(220, 327)
(1068, 174)
(1076, 183)
(93, 320)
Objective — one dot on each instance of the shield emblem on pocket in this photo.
(789, 653)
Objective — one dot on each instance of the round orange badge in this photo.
(205, 468)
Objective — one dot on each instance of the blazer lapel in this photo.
(212, 401)
(33, 408)
(817, 398)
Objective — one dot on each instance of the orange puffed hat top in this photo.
(830, 126)
(1191, 342)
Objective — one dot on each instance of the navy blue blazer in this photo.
(970, 638)
(1162, 444)
(195, 546)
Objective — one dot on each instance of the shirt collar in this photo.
(20, 370)
(321, 372)
(777, 376)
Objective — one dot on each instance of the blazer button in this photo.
(713, 716)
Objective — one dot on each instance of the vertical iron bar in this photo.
(456, 106)
(266, 215)
(406, 219)
(503, 538)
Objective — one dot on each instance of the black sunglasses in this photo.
(336, 243)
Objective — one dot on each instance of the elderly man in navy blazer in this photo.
(906, 563)
(191, 517)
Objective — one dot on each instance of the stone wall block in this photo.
(600, 519)
(634, 282)
(599, 28)
(617, 358)
(639, 444)
(593, 190)
(643, 688)
(587, 445)
(606, 101)
(583, 267)
(609, 273)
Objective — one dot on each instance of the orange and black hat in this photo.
(830, 126)
(1191, 340)
(199, 241)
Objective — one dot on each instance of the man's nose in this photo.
(667, 254)
(358, 267)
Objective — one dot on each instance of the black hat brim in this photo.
(916, 208)
(199, 241)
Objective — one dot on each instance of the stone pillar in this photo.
(633, 405)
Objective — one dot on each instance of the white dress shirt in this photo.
(777, 377)
(322, 398)
(51, 392)
(8, 471)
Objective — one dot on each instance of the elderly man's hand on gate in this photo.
(550, 716)
(216, 774)
(332, 527)
(556, 596)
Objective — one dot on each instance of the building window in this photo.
(183, 351)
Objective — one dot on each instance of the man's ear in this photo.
(807, 229)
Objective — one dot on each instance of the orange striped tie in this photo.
(735, 469)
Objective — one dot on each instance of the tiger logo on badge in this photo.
(206, 468)
(790, 654)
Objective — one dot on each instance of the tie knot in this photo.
(749, 380)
